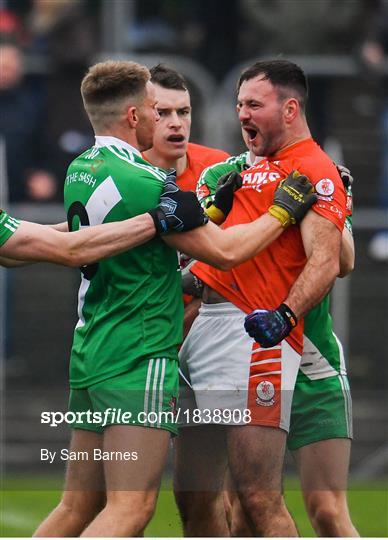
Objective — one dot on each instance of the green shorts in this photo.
(321, 410)
(145, 396)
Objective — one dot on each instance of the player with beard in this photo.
(124, 353)
(285, 281)
(321, 421)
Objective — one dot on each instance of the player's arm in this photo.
(227, 248)
(61, 227)
(7, 262)
(347, 256)
(177, 210)
(322, 243)
(34, 242)
(224, 249)
(14, 263)
(347, 246)
(190, 314)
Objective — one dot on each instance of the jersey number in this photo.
(78, 209)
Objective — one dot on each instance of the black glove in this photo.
(270, 327)
(346, 176)
(223, 200)
(293, 198)
(177, 211)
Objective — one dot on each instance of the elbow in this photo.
(226, 261)
(346, 268)
(334, 269)
(227, 265)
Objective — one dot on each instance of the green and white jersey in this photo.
(130, 305)
(8, 225)
(207, 182)
(322, 351)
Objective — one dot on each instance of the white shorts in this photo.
(227, 371)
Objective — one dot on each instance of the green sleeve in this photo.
(349, 207)
(8, 226)
(208, 180)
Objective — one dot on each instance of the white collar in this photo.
(255, 161)
(102, 140)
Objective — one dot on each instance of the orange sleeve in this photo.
(330, 190)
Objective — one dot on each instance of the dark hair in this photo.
(281, 73)
(167, 78)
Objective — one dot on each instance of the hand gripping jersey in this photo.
(8, 226)
(265, 280)
(322, 352)
(198, 158)
(129, 306)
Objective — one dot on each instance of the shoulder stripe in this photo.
(8, 225)
(130, 159)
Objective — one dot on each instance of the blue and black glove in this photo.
(270, 327)
(177, 211)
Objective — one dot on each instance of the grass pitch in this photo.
(22, 508)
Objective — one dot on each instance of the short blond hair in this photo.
(109, 87)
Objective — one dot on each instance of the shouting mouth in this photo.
(252, 132)
(176, 139)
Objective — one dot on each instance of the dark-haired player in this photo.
(171, 147)
(321, 413)
(285, 281)
(124, 353)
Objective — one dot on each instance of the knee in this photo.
(138, 510)
(81, 511)
(239, 526)
(324, 511)
(202, 513)
(261, 503)
(192, 504)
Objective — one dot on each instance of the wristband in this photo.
(282, 215)
(288, 315)
(160, 221)
(215, 214)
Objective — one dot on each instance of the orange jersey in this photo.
(264, 281)
(198, 158)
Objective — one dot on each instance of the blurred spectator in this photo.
(20, 121)
(189, 28)
(11, 27)
(64, 33)
(303, 27)
(154, 26)
(374, 53)
(64, 29)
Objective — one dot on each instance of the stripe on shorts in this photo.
(348, 403)
(153, 394)
(161, 387)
